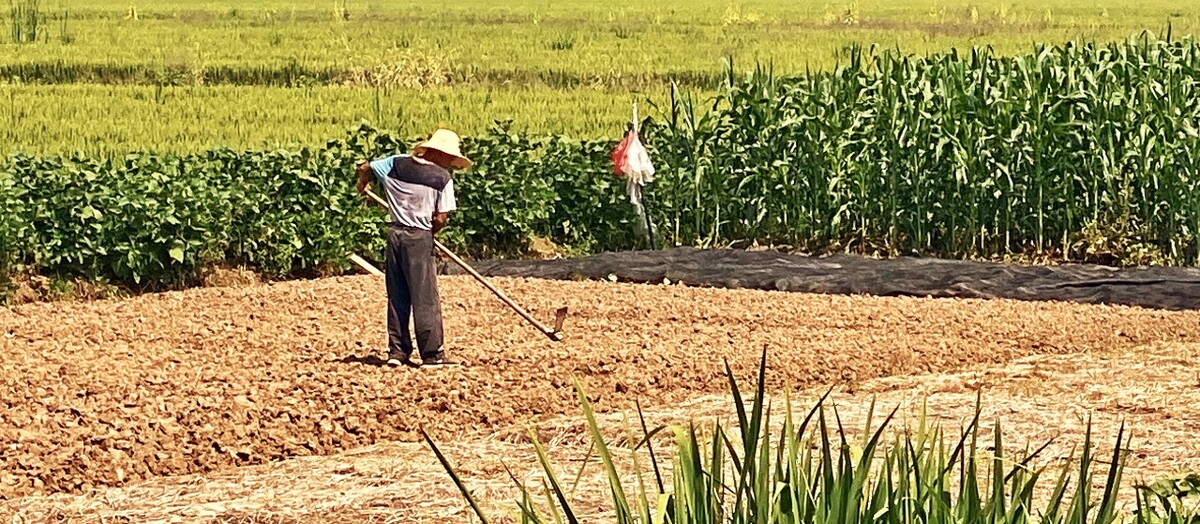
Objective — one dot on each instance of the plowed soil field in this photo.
(105, 393)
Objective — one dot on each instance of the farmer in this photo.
(420, 193)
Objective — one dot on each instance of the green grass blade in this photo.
(544, 460)
(960, 448)
(1107, 511)
(716, 480)
(643, 500)
(1024, 465)
(738, 403)
(550, 494)
(1058, 494)
(996, 506)
(866, 433)
(827, 488)
(587, 459)
(528, 511)
(462, 488)
(800, 432)
(1081, 502)
(647, 441)
(620, 501)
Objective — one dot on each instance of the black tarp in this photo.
(1159, 288)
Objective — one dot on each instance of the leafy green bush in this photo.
(141, 218)
(552, 187)
(506, 195)
(10, 216)
(520, 187)
(591, 211)
(813, 472)
(1170, 501)
(293, 212)
(155, 220)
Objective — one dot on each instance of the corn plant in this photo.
(810, 470)
(1084, 152)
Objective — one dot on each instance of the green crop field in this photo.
(106, 119)
(186, 76)
(1060, 130)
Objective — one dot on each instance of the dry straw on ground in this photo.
(402, 482)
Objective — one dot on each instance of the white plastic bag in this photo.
(630, 160)
(633, 162)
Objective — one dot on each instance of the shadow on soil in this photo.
(372, 360)
(369, 360)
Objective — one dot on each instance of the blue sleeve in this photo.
(382, 167)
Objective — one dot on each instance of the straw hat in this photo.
(446, 141)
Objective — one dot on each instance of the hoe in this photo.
(554, 334)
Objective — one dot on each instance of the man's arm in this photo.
(364, 177)
(445, 204)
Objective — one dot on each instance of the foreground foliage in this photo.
(1080, 153)
(813, 472)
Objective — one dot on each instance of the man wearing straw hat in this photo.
(420, 193)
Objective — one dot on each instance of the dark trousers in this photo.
(412, 290)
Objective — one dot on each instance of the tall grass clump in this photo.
(810, 471)
(1083, 152)
(26, 21)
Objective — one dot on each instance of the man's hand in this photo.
(439, 222)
